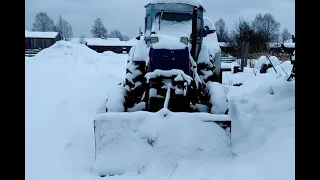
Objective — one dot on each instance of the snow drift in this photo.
(264, 60)
(67, 85)
(264, 128)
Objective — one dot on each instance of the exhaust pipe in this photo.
(194, 33)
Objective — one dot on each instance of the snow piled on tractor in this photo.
(172, 28)
(66, 86)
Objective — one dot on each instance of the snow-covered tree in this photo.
(285, 35)
(116, 34)
(82, 39)
(267, 26)
(64, 29)
(98, 30)
(126, 38)
(221, 29)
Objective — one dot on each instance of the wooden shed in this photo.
(110, 44)
(40, 40)
(225, 47)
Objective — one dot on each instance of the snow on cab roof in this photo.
(197, 3)
(37, 34)
(108, 42)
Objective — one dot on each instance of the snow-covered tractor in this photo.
(173, 74)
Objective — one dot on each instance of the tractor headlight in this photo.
(154, 40)
(184, 40)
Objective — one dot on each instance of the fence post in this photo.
(242, 55)
(246, 55)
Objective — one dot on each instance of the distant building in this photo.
(274, 47)
(289, 47)
(40, 40)
(225, 48)
(110, 44)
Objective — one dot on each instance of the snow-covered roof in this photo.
(37, 34)
(190, 2)
(108, 42)
(289, 45)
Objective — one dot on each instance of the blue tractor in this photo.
(173, 73)
(171, 50)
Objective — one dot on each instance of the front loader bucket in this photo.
(133, 141)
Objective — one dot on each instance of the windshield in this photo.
(179, 17)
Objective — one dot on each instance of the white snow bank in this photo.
(167, 42)
(64, 49)
(264, 60)
(135, 142)
(218, 98)
(190, 2)
(250, 80)
(115, 99)
(66, 86)
(284, 69)
(264, 128)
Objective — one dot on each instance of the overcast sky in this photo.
(128, 15)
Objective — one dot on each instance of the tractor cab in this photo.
(169, 31)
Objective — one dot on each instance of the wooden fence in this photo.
(31, 52)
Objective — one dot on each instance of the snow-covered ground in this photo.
(66, 86)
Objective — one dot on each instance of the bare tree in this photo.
(82, 39)
(277, 37)
(267, 26)
(244, 32)
(116, 34)
(43, 23)
(98, 30)
(285, 35)
(222, 32)
(64, 29)
(126, 38)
